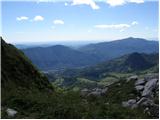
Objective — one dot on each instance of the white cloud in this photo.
(115, 2)
(122, 2)
(86, 2)
(60, 22)
(121, 27)
(113, 26)
(66, 4)
(136, 1)
(122, 30)
(134, 23)
(22, 18)
(38, 18)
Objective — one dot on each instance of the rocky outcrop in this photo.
(130, 103)
(140, 82)
(148, 89)
(134, 77)
(94, 92)
(11, 112)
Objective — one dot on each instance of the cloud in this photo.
(91, 3)
(38, 18)
(115, 2)
(113, 26)
(136, 1)
(122, 2)
(134, 23)
(60, 22)
(121, 27)
(66, 4)
(22, 18)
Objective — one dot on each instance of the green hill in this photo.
(134, 62)
(20, 80)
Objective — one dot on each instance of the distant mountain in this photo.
(114, 49)
(59, 57)
(19, 76)
(133, 62)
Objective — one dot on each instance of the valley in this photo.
(122, 87)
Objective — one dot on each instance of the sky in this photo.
(78, 20)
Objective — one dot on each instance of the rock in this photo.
(84, 92)
(95, 94)
(139, 87)
(104, 91)
(145, 102)
(149, 87)
(11, 112)
(139, 82)
(97, 90)
(146, 110)
(150, 76)
(130, 103)
(134, 77)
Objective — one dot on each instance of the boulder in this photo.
(150, 76)
(134, 77)
(139, 87)
(140, 82)
(11, 112)
(104, 91)
(84, 92)
(149, 87)
(130, 103)
(145, 102)
(95, 94)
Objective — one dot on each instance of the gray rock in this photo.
(84, 92)
(145, 102)
(150, 76)
(104, 91)
(130, 103)
(95, 94)
(149, 87)
(139, 87)
(134, 77)
(11, 112)
(139, 82)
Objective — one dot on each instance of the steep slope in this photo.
(58, 57)
(114, 49)
(19, 77)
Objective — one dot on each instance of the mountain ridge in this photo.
(61, 57)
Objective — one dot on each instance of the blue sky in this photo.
(78, 20)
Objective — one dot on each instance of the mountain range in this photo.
(60, 57)
(27, 93)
